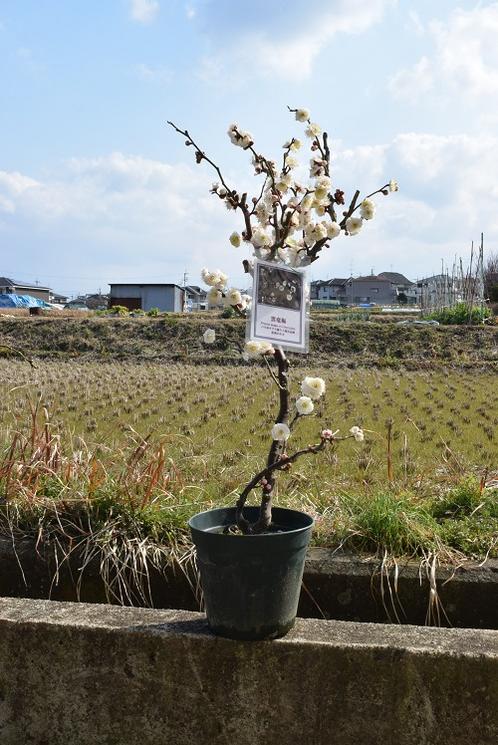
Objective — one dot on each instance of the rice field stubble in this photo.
(141, 446)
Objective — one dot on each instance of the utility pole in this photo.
(185, 277)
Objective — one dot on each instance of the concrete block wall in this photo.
(76, 674)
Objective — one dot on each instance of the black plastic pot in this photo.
(251, 583)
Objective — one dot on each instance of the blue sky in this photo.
(95, 188)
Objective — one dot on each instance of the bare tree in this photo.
(491, 277)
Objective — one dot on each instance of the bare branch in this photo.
(18, 351)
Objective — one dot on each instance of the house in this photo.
(14, 287)
(439, 290)
(404, 289)
(356, 290)
(166, 297)
(77, 303)
(195, 298)
(369, 289)
(330, 289)
(57, 299)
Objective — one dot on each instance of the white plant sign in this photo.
(279, 304)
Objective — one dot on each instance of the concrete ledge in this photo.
(76, 674)
(336, 586)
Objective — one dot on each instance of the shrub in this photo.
(118, 310)
(460, 314)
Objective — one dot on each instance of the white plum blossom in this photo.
(260, 238)
(393, 185)
(263, 213)
(233, 133)
(239, 137)
(283, 182)
(295, 256)
(322, 187)
(304, 405)
(353, 225)
(266, 348)
(317, 166)
(313, 387)
(357, 433)
(214, 296)
(214, 278)
(367, 209)
(291, 161)
(305, 219)
(302, 115)
(235, 239)
(313, 130)
(252, 348)
(209, 336)
(333, 229)
(307, 202)
(280, 432)
(293, 144)
(246, 302)
(316, 232)
(233, 297)
(327, 434)
(255, 348)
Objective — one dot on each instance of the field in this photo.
(149, 443)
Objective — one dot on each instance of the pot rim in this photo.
(310, 521)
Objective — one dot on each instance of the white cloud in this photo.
(144, 11)
(159, 74)
(123, 215)
(12, 187)
(413, 83)
(464, 61)
(288, 51)
(127, 216)
(448, 195)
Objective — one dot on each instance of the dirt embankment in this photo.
(353, 343)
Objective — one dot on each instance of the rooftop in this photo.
(6, 282)
(396, 278)
(144, 284)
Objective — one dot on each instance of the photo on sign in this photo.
(279, 308)
(277, 286)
